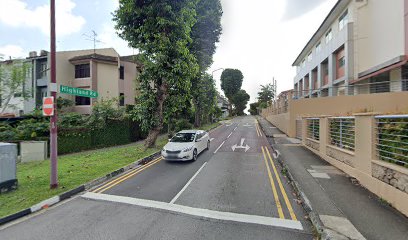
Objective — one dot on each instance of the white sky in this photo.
(260, 37)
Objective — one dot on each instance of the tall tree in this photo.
(13, 77)
(231, 82)
(205, 34)
(206, 97)
(266, 95)
(160, 30)
(253, 108)
(240, 101)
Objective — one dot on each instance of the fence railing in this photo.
(342, 132)
(313, 126)
(353, 89)
(392, 139)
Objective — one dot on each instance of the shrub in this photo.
(182, 124)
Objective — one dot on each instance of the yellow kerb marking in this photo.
(275, 193)
(285, 196)
(125, 176)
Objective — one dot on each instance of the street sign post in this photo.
(48, 106)
(78, 91)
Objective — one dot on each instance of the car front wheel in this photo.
(195, 155)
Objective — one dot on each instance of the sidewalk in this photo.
(338, 206)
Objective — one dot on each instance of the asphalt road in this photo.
(235, 190)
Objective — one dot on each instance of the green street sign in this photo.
(78, 91)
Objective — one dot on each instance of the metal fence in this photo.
(313, 128)
(392, 139)
(342, 132)
(353, 89)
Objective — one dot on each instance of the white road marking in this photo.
(211, 139)
(229, 135)
(235, 128)
(316, 174)
(219, 147)
(187, 184)
(241, 146)
(199, 212)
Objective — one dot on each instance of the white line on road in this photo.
(229, 135)
(188, 183)
(211, 139)
(235, 128)
(200, 212)
(219, 147)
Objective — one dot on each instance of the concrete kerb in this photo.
(68, 194)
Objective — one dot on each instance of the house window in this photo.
(342, 62)
(380, 83)
(82, 71)
(82, 101)
(122, 72)
(121, 99)
(329, 36)
(43, 70)
(343, 20)
(309, 57)
(318, 47)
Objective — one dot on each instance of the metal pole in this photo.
(53, 122)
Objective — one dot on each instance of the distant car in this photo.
(186, 145)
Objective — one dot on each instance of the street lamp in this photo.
(212, 74)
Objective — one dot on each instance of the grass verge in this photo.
(73, 170)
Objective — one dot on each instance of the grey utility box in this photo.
(33, 151)
(8, 167)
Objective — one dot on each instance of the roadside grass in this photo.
(73, 170)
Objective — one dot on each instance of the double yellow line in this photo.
(126, 176)
(267, 155)
(258, 129)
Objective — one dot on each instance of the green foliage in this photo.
(240, 100)
(231, 82)
(266, 95)
(342, 133)
(393, 140)
(7, 132)
(205, 98)
(182, 124)
(104, 110)
(206, 32)
(13, 76)
(31, 128)
(63, 103)
(253, 108)
(160, 30)
(72, 120)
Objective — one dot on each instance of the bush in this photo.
(182, 124)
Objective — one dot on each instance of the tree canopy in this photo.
(161, 31)
(253, 108)
(240, 101)
(267, 94)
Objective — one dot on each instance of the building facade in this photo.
(360, 48)
(100, 70)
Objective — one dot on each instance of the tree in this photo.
(253, 108)
(267, 94)
(240, 101)
(160, 30)
(231, 82)
(206, 98)
(13, 76)
(205, 34)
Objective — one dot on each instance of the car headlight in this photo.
(188, 149)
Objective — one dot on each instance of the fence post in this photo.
(304, 130)
(323, 129)
(364, 141)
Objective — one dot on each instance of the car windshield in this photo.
(183, 137)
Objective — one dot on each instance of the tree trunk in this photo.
(197, 117)
(7, 102)
(161, 96)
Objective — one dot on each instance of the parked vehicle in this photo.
(186, 145)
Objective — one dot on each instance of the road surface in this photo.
(235, 190)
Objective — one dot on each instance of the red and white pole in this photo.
(53, 122)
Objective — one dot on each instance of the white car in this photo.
(186, 145)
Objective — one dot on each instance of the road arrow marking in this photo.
(247, 125)
(241, 146)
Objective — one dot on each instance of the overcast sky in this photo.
(260, 37)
